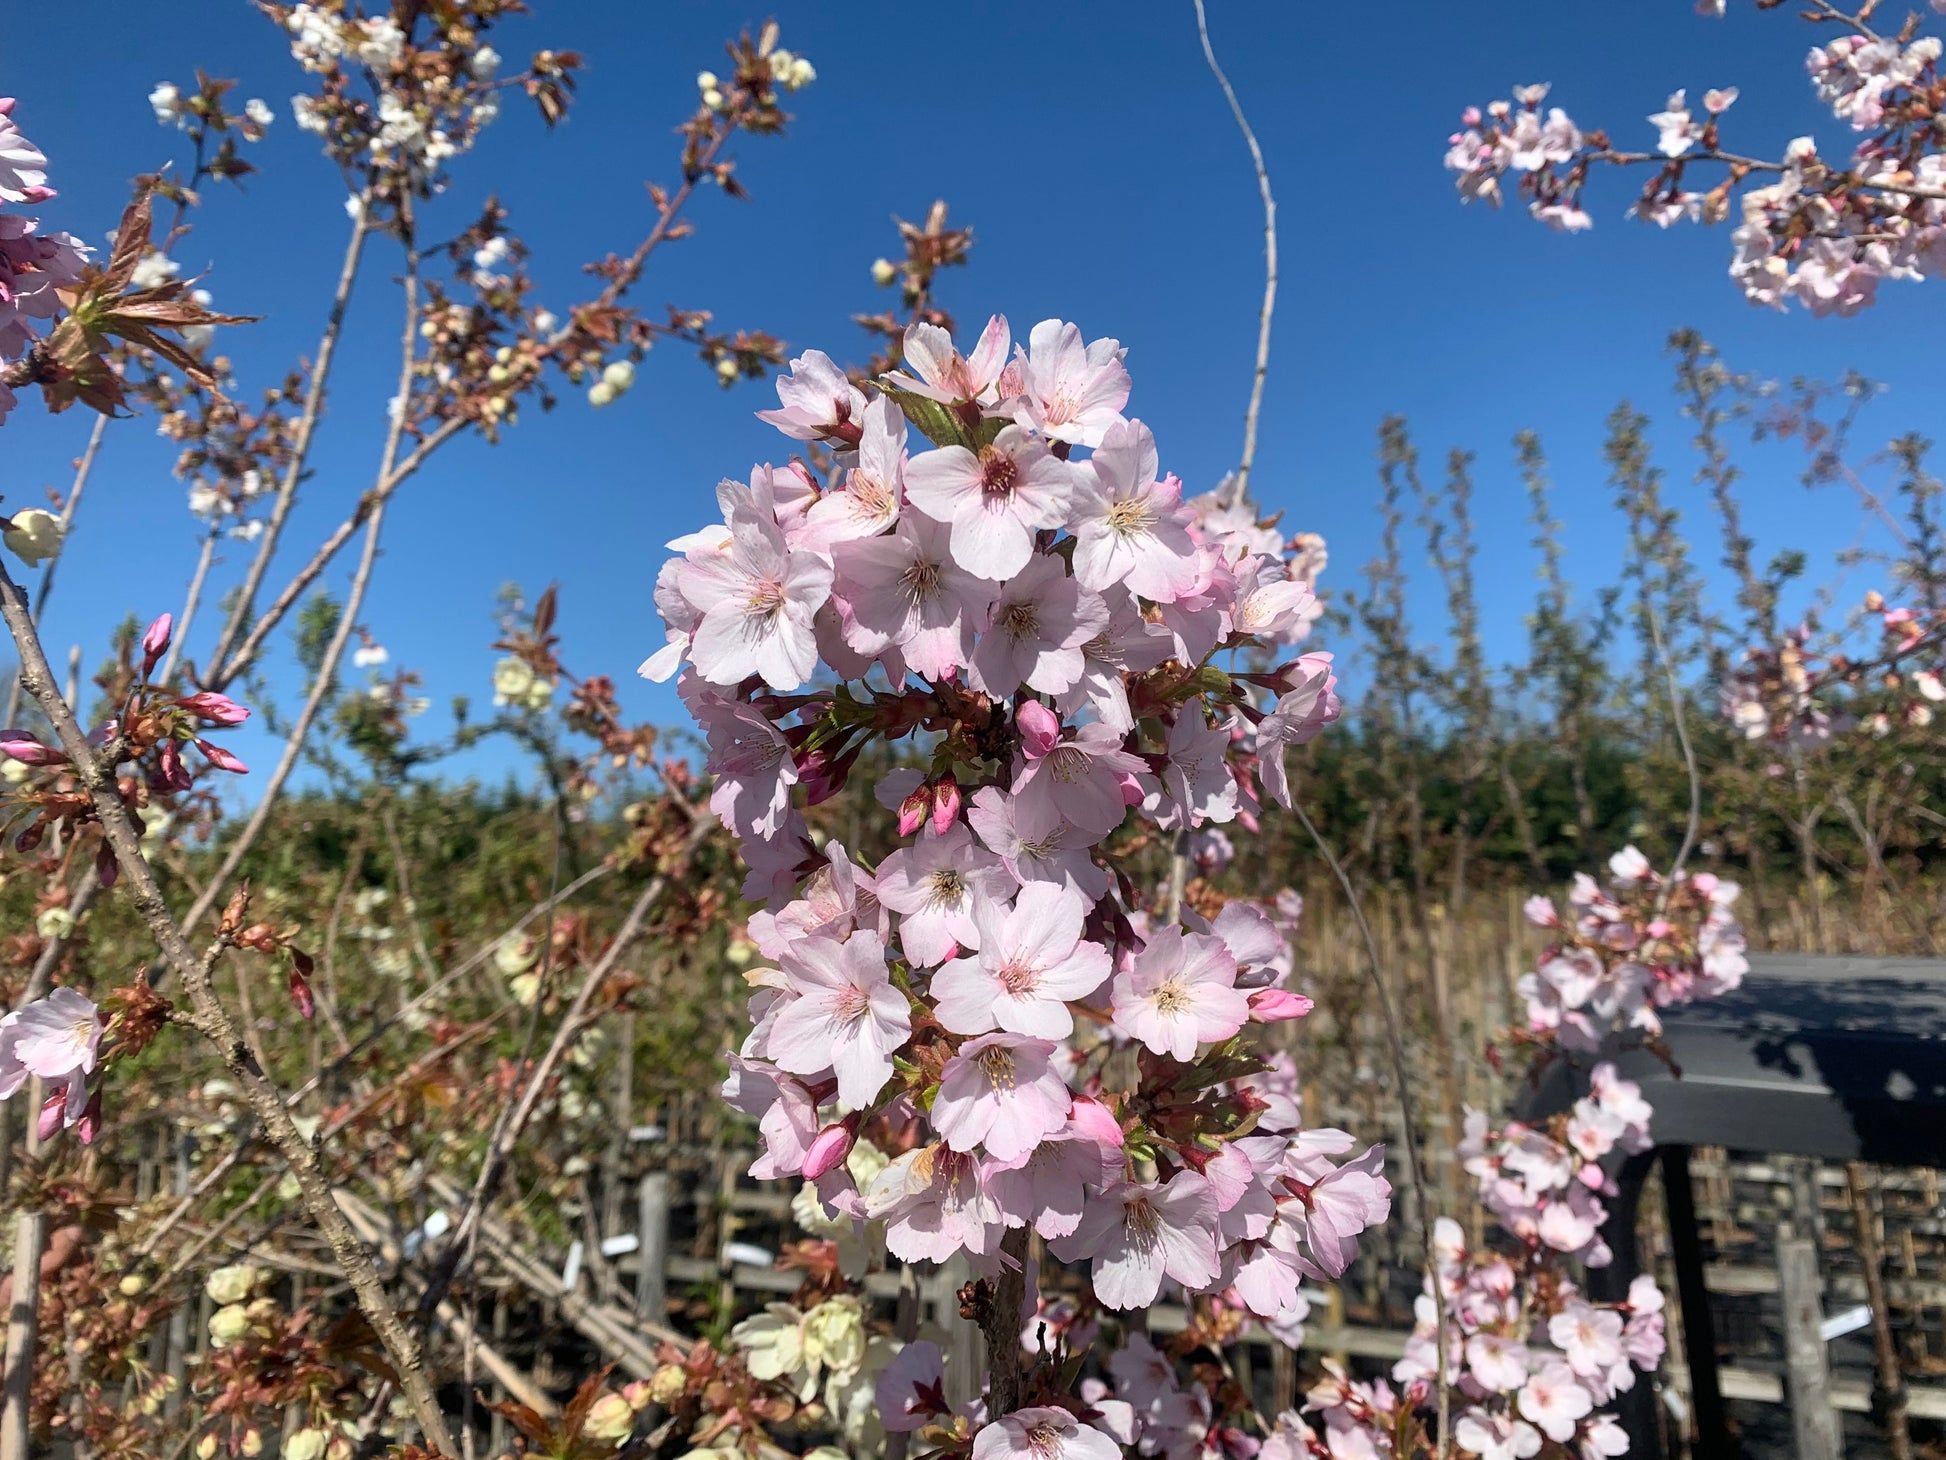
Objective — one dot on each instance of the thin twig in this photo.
(82, 469)
(190, 601)
(327, 671)
(209, 1018)
(307, 425)
(573, 1022)
(1693, 829)
(1408, 1110)
(1269, 307)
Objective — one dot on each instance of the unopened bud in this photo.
(829, 1147)
(228, 1325)
(155, 642)
(611, 1419)
(883, 272)
(666, 1384)
(1267, 1006)
(23, 747)
(945, 804)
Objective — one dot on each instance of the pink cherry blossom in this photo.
(1197, 775)
(1032, 960)
(1300, 715)
(1001, 1092)
(1554, 1400)
(934, 1204)
(994, 499)
(1128, 527)
(23, 166)
(1498, 1363)
(786, 1115)
(868, 503)
(52, 1039)
(1082, 775)
(1137, 1234)
(847, 1016)
(756, 605)
(1053, 1183)
(1042, 1433)
(749, 757)
(1344, 1203)
(1035, 842)
(910, 1390)
(818, 401)
(1270, 604)
(1591, 1337)
(1496, 1436)
(1038, 625)
(1070, 391)
(905, 590)
(934, 886)
(1130, 644)
(944, 374)
(1181, 992)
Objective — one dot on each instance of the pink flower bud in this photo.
(914, 810)
(107, 869)
(301, 995)
(945, 804)
(1470, 117)
(169, 773)
(213, 708)
(1095, 1121)
(89, 1125)
(829, 1148)
(222, 759)
(1039, 729)
(54, 1114)
(23, 747)
(1267, 1006)
(155, 641)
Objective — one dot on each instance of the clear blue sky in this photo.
(1090, 150)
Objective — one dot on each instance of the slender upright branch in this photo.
(327, 671)
(1270, 261)
(210, 1019)
(190, 602)
(82, 470)
(1408, 1112)
(307, 425)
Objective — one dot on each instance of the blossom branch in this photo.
(210, 1019)
(307, 424)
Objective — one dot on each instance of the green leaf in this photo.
(938, 423)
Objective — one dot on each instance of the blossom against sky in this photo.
(1394, 298)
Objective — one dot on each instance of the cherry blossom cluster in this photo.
(1627, 950)
(149, 732)
(1043, 627)
(34, 265)
(1529, 1359)
(430, 87)
(1796, 696)
(1821, 232)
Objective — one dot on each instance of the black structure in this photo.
(1842, 1059)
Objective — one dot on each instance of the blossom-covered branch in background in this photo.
(1822, 230)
